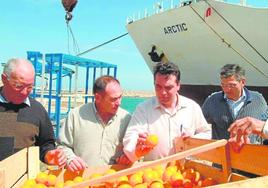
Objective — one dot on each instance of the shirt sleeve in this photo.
(119, 148)
(66, 137)
(46, 138)
(137, 124)
(265, 130)
(205, 110)
(264, 117)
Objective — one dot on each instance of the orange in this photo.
(78, 179)
(152, 140)
(110, 171)
(95, 175)
(51, 180)
(173, 169)
(135, 179)
(59, 185)
(122, 179)
(150, 176)
(41, 177)
(176, 179)
(29, 183)
(125, 186)
(39, 185)
(157, 184)
(69, 183)
(167, 175)
(141, 185)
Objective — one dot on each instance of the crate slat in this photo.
(2, 177)
(18, 167)
(251, 158)
(33, 162)
(260, 182)
(15, 166)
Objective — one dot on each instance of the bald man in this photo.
(24, 121)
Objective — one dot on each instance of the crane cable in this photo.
(102, 44)
(74, 41)
(228, 43)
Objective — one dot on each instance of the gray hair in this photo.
(233, 70)
(11, 65)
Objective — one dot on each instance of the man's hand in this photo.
(241, 129)
(247, 125)
(56, 157)
(178, 142)
(238, 140)
(77, 164)
(123, 160)
(142, 148)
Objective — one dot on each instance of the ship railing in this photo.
(160, 6)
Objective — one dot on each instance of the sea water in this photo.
(130, 103)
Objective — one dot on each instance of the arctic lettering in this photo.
(175, 28)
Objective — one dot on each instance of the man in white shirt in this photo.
(167, 115)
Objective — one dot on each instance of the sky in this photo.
(39, 25)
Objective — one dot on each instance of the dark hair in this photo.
(168, 68)
(232, 70)
(101, 83)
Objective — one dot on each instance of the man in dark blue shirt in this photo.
(234, 102)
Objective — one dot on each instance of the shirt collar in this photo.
(181, 103)
(98, 116)
(3, 100)
(243, 97)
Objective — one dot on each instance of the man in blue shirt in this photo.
(234, 102)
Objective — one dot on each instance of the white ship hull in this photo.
(204, 36)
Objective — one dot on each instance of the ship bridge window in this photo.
(186, 2)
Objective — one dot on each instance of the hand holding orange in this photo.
(145, 146)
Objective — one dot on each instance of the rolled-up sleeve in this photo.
(66, 137)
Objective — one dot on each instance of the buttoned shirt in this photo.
(218, 113)
(235, 106)
(150, 117)
(85, 135)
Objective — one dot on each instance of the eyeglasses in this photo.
(228, 85)
(20, 87)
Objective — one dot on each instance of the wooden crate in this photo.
(19, 167)
(252, 159)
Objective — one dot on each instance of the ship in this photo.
(201, 36)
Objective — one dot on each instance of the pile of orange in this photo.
(174, 175)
